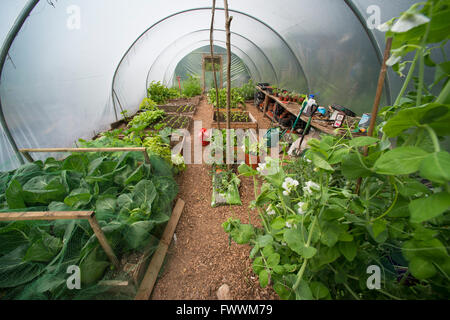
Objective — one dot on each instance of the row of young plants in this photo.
(321, 239)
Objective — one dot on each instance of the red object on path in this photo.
(204, 137)
(179, 83)
(254, 160)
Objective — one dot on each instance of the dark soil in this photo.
(239, 116)
(183, 109)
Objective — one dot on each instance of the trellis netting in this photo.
(73, 66)
(132, 201)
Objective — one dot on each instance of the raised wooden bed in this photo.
(195, 101)
(176, 121)
(186, 109)
(250, 124)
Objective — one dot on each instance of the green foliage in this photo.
(148, 104)
(159, 92)
(248, 90)
(236, 98)
(325, 234)
(146, 118)
(158, 147)
(130, 198)
(192, 86)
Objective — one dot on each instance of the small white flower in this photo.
(288, 225)
(309, 161)
(261, 167)
(310, 187)
(271, 212)
(288, 185)
(300, 209)
(177, 159)
(283, 243)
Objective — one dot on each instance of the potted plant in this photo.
(252, 150)
(275, 91)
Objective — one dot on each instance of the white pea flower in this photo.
(271, 212)
(301, 209)
(307, 160)
(261, 167)
(310, 187)
(288, 225)
(177, 159)
(288, 185)
(283, 243)
(269, 167)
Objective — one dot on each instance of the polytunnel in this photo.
(224, 149)
(71, 65)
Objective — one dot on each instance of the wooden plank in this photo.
(65, 215)
(151, 275)
(141, 149)
(103, 241)
(46, 215)
(266, 104)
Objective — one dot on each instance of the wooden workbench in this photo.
(294, 108)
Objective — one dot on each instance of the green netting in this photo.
(132, 201)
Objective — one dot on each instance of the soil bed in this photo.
(238, 120)
(187, 109)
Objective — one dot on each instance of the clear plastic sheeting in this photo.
(192, 64)
(163, 46)
(8, 159)
(74, 66)
(10, 9)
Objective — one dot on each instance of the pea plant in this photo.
(320, 237)
(237, 100)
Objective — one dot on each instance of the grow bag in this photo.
(230, 197)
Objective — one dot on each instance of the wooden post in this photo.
(265, 105)
(103, 241)
(151, 275)
(376, 103)
(211, 44)
(228, 33)
(146, 157)
(381, 79)
(139, 149)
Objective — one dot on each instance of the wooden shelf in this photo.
(294, 108)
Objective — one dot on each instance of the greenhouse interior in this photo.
(224, 150)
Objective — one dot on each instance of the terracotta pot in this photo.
(255, 160)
